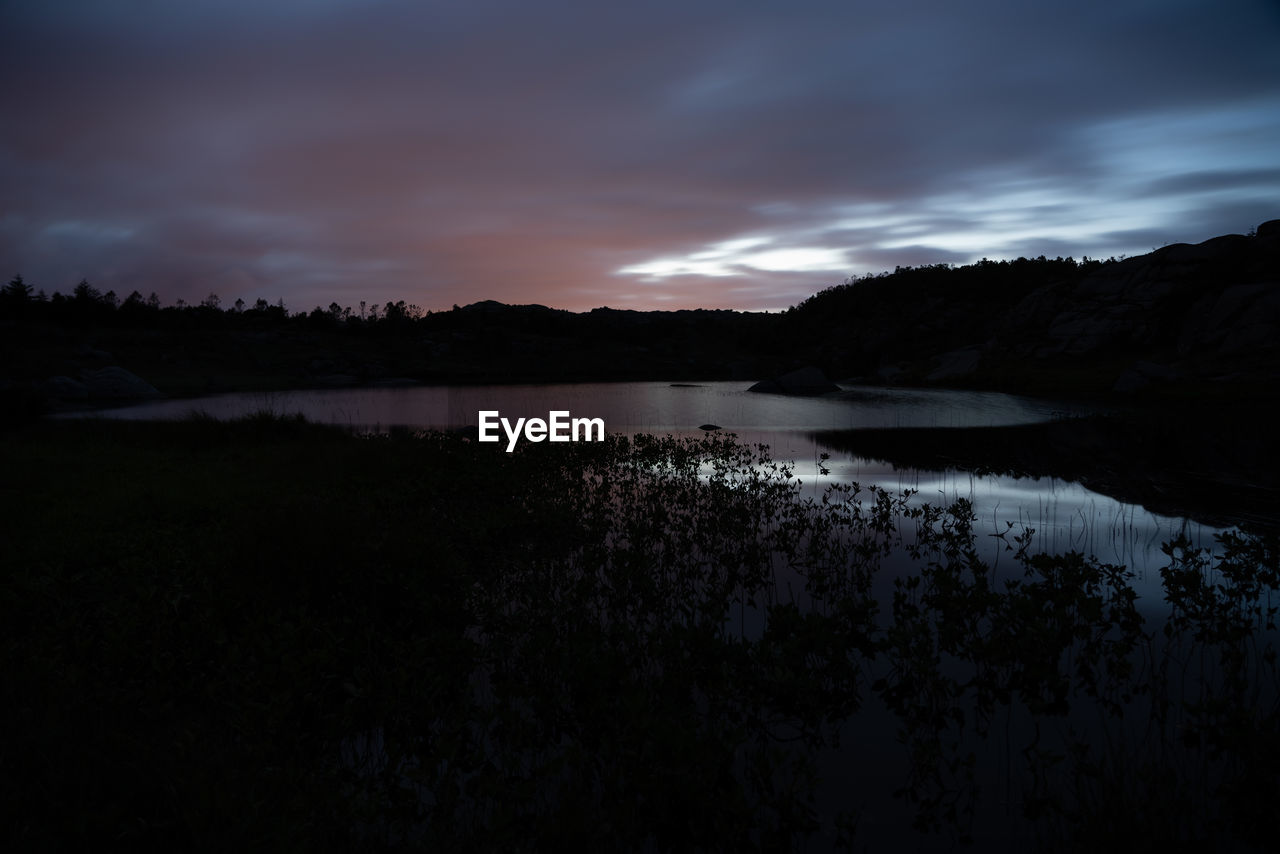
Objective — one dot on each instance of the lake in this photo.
(1066, 515)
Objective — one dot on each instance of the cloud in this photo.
(445, 152)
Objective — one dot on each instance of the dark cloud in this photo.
(448, 152)
(1216, 181)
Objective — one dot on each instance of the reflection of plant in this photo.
(642, 643)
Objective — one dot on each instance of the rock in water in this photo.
(118, 384)
(808, 380)
(65, 388)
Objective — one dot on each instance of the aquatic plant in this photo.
(270, 633)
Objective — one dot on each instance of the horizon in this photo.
(661, 158)
(98, 294)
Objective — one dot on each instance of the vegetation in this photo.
(1181, 323)
(196, 349)
(272, 634)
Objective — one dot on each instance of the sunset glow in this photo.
(651, 156)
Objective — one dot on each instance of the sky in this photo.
(658, 155)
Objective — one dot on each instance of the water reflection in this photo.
(1065, 515)
(625, 407)
(1045, 700)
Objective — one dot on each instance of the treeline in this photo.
(19, 300)
(1170, 319)
(87, 304)
(88, 308)
(983, 277)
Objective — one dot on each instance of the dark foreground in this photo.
(269, 634)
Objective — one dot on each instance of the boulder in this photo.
(1142, 375)
(805, 381)
(1268, 233)
(116, 383)
(956, 364)
(65, 388)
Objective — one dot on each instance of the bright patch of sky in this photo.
(1172, 143)
(734, 257)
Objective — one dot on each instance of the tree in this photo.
(133, 304)
(86, 293)
(17, 290)
(15, 296)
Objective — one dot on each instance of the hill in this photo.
(1184, 321)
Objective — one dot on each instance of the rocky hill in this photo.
(1182, 322)
(1181, 318)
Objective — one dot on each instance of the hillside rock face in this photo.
(1187, 315)
(1185, 311)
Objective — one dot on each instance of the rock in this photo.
(891, 372)
(804, 381)
(87, 352)
(1214, 249)
(336, 380)
(320, 367)
(65, 388)
(1143, 375)
(118, 384)
(708, 426)
(957, 363)
(1238, 320)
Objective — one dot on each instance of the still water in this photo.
(1065, 515)
(653, 407)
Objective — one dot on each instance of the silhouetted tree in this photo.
(134, 306)
(15, 297)
(17, 290)
(85, 293)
